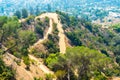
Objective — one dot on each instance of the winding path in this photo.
(9, 59)
(54, 17)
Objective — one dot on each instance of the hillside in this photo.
(33, 47)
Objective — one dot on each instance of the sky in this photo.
(0, 0)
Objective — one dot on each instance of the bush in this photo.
(38, 78)
(49, 77)
(26, 60)
(60, 74)
(99, 76)
(74, 38)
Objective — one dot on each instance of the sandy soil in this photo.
(21, 73)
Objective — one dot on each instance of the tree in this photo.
(8, 29)
(81, 62)
(32, 12)
(48, 7)
(39, 30)
(24, 13)
(26, 38)
(3, 20)
(37, 12)
(6, 73)
(86, 60)
(74, 38)
(18, 14)
(26, 60)
(30, 19)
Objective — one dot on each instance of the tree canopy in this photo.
(82, 62)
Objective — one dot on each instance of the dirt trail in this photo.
(21, 73)
(41, 65)
(62, 45)
(26, 75)
(46, 35)
(54, 17)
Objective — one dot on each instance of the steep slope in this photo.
(37, 63)
(53, 18)
(41, 65)
(21, 72)
(20, 69)
(46, 35)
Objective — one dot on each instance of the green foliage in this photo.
(118, 59)
(51, 46)
(73, 21)
(116, 27)
(74, 38)
(24, 13)
(49, 77)
(3, 19)
(47, 20)
(82, 32)
(30, 19)
(26, 60)
(60, 74)
(10, 28)
(38, 78)
(99, 76)
(39, 30)
(88, 25)
(37, 54)
(27, 37)
(114, 71)
(14, 38)
(64, 18)
(87, 60)
(52, 60)
(9, 31)
(55, 30)
(6, 73)
(18, 14)
(81, 60)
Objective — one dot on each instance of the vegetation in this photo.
(24, 13)
(18, 14)
(14, 39)
(52, 43)
(49, 77)
(95, 52)
(6, 73)
(91, 35)
(80, 63)
(116, 27)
